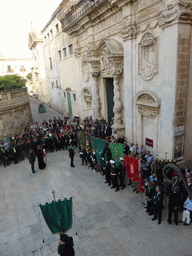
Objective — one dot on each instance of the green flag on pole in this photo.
(87, 142)
(58, 215)
(99, 146)
(117, 151)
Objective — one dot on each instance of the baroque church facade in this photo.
(132, 61)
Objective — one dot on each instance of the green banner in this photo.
(99, 146)
(58, 215)
(117, 151)
(87, 142)
(80, 139)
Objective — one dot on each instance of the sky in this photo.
(15, 24)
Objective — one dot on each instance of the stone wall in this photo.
(184, 42)
(15, 112)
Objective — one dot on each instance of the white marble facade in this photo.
(144, 47)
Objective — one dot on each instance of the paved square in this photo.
(107, 222)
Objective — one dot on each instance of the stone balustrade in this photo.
(15, 112)
(76, 9)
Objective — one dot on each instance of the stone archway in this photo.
(107, 61)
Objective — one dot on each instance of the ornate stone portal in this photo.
(107, 61)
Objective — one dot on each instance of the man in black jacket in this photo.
(31, 157)
(71, 154)
(65, 247)
(158, 204)
(174, 203)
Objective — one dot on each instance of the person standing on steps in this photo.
(71, 154)
(32, 157)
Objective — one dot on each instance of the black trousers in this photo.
(72, 159)
(114, 181)
(32, 167)
(172, 210)
(158, 213)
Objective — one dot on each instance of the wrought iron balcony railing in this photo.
(75, 10)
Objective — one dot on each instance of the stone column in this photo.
(117, 103)
(96, 97)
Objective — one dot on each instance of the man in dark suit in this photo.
(32, 157)
(158, 204)
(107, 131)
(174, 203)
(71, 154)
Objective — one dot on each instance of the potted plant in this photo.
(42, 108)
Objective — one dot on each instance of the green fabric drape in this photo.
(58, 215)
(117, 151)
(99, 146)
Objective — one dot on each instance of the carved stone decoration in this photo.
(147, 105)
(105, 64)
(168, 15)
(148, 56)
(85, 66)
(142, 4)
(117, 106)
(129, 31)
(87, 96)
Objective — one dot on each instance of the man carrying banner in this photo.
(121, 173)
(114, 172)
(65, 247)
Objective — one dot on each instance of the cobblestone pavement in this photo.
(107, 222)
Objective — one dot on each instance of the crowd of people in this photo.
(37, 140)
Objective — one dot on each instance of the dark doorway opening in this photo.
(110, 96)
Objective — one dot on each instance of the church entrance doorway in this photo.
(110, 96)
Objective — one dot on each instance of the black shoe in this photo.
(154, 218)
(72, 165)
(169, 222)
(116, 189)
(137, 191)
(150, 214)
(159, 222)
(147, 211)
(106, 182)
(128, 184)
(185, 224)
(176, 223)
(109, 184)
(134, 189)
(123, 187)
(112, 187)
(145, 207)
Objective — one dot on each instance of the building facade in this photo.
(60, 67)
(133, 62)
(15, 66)
(39, 78)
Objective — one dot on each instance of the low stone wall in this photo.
(15, 112)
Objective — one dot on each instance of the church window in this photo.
(45, 39)
(70, 49)
(57, 28)
(8, 67)
(74, 96)
(50, 62)
(65, 52)
(60, 56)
(51, 34)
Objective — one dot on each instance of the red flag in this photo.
(132, 167)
